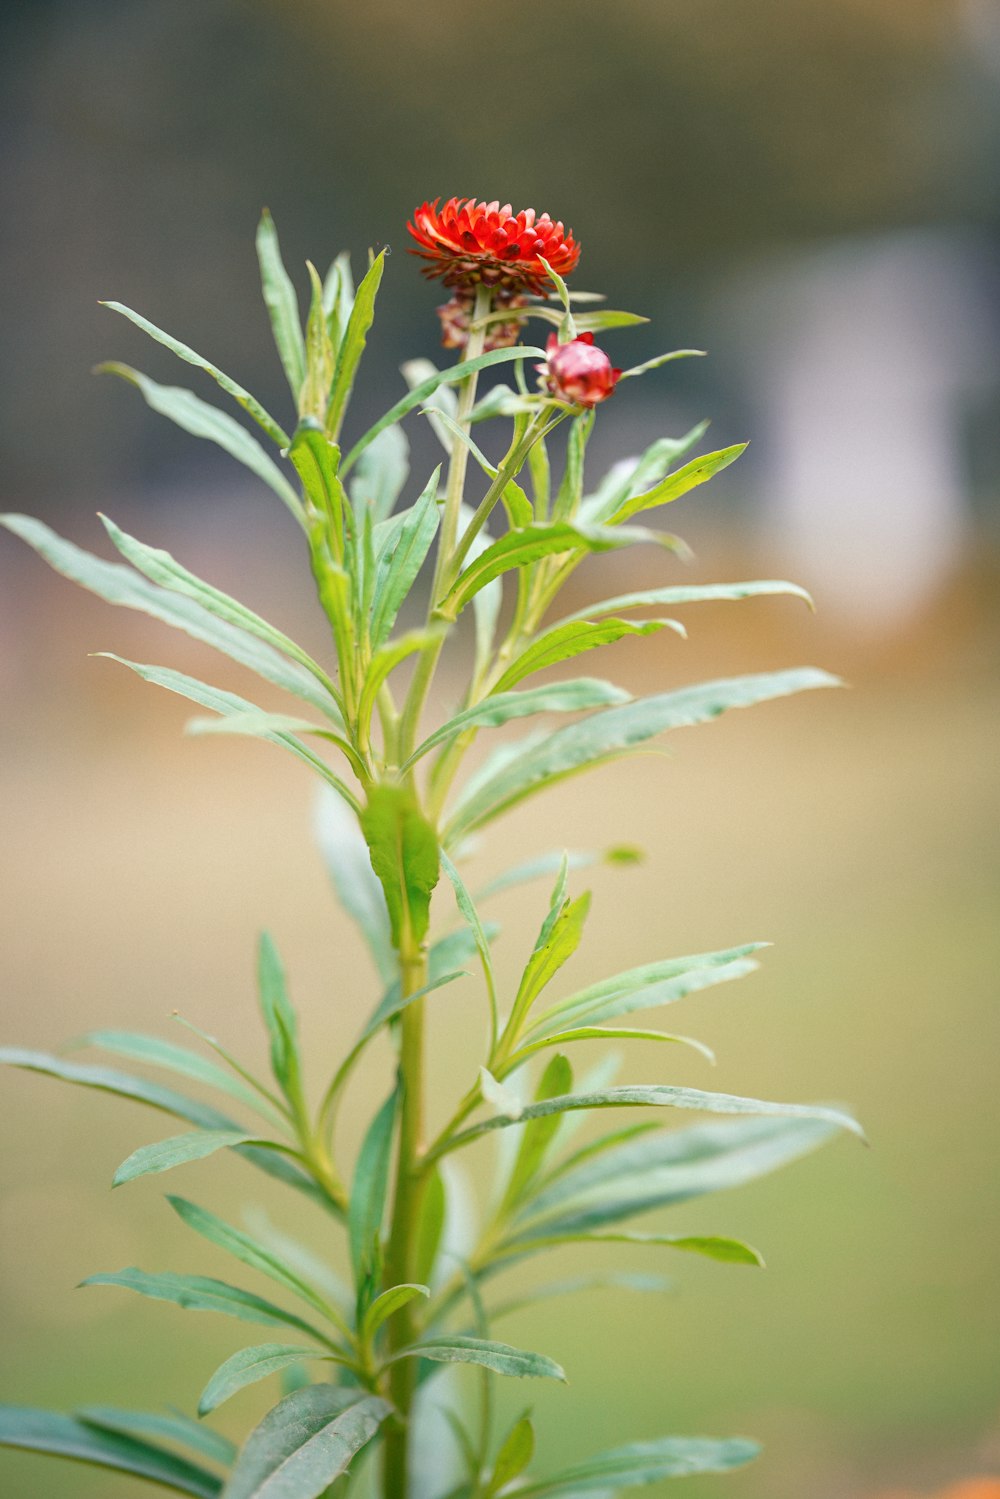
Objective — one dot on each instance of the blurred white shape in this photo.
(863, 355)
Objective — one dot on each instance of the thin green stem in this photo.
(402, 1328)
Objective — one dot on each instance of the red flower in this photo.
(577, 371)
(467, 243)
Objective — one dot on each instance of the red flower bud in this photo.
(577, 371)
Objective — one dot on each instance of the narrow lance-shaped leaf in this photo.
(319, 354)
(607, 735)
(380, 474)
(198, 418)
(164, 1155)
(201, 1293)
(63, 1436)
(658, 1095)
(304, 1443)
(243, 397)
(632, 475)
(348, 863)
(245, 1249)
(108, 1080)
(500, 1358)
(282, 304)
(698, 471)
(153, 1426)
(516, 1452)
(659, 1168)
(690, 594)
(281, 1022)
(422, 392)
(385, 1305)
(398, 568)
(158, 1053)
(118, 584)
(572, 639)
(645, 988)
(249, 1366)
(728, 1251)
(228, 704)
(467, 907)
(161, 568)
(641, 1463)
(352, 344)
(368, 1195)
(572, 696)
(556, 1081)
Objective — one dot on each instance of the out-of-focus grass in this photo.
(855, 829)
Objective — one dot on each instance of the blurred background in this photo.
(808, 189)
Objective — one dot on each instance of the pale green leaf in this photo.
(250, 1365)
(118, 584)
(304, 1443)
(399, 565)
(693, 594)
(380, 474)
(347, 861)
(198, 418)
(178, 1150)
(698, 471)
(242, 397)
(352, 345)
(385, 1305)
(572, 639)
(200, 1293)
(62, 1436)
(661, 359)
(572, 696)
(500, 1358)
(178, 1059)
(282, 304)
(421, 393)
(404, 854)
(642, 1463)
(607, 735)
(369, 1191)
(171, 1428)
(516, 1452)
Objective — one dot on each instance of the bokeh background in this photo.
(809, 189)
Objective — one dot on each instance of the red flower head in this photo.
(468, 243)
(577, 371)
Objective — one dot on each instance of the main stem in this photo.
(401, 1328)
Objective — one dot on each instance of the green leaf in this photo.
(555, 947)
(674, 485)
(572, 696)
(647, 988)
(665, 1167)
(320, 355)
(610, 1280)
(317, 461)
(166, 1154)
(369, 1190)
(338, 296)
(538, 1134)
(200, 1293)
(348, 863)
(501, 1358)
(172, 1428)
(630, 476)
(118, 584)
(572, 639)
(63, 1436)
(178, 1059)
(712, 1246)
(198, 418)
(439, 406)
(467, 907)
(516, 1452)
(537, 868)
(385, 660)
(162, 569)
(698, 593)
(281, 1022)
(610, 1033)
(661, 359)
(229, 705)
(571, 489)
(242, 1247)
(282, 305)
(660, 1095)
(380, 474)
(404, 854)
(517, 548)
(383, 1306)
(422, 392)
(502, 1100)
(242, 397)
(606, 736)
(641, 1463)
(352, 345)
(430, 1226)
(304, 1443)
(399, 565)
(106, 1080)
(250, 1365)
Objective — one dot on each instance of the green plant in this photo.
(396, 816)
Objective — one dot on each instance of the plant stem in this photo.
(402, 1327)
